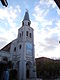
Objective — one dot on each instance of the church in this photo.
(21, 51)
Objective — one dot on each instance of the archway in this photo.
(28, 69)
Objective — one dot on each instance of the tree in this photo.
(4, 3)
(58, 3)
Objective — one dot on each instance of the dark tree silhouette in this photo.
(58, 3)
(4, 3)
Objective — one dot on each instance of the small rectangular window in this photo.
(26, 33)
(30, 35)
(28, 23)
(22, 23)
(20, 46)
(20, 34)
(14, 49)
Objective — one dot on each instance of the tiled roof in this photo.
(7, 47)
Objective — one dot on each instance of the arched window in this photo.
(15, 49)
(26, 33)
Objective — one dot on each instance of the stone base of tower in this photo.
(26, 71)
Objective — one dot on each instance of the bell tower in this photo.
(27, 67)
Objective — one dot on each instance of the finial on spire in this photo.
(26, 10)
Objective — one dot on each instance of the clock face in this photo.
(29, 48)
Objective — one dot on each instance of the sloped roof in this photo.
(7, 47)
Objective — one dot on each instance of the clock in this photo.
(29, 47)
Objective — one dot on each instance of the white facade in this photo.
(22, 51)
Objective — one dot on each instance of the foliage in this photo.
(47, 68)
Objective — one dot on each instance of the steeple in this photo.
(26, 21)
(26, 17)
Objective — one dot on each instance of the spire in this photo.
(26, 21)
(26, 17)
